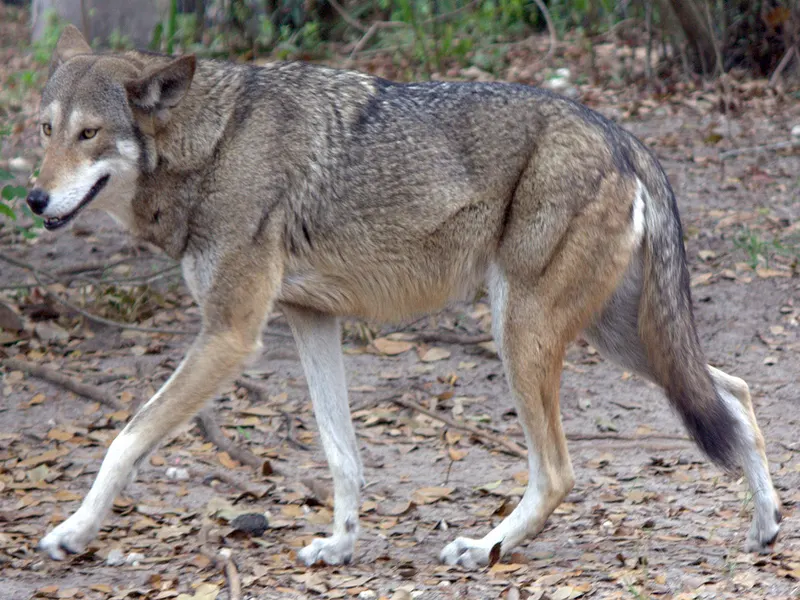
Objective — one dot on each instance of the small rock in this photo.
(177, 474)
(367, 595)
(115, 558)
(50, 332)
(253, 523)
(796, 131)
(134, 558)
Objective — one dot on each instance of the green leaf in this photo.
(6, 210)
(4, 175)
(14, 191)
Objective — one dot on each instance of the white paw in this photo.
(336, 550)
(466, 552)
(71, 537)
(764, 531)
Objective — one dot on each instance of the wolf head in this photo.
(98, 118)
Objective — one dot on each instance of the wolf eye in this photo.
(88, 134)
(47, 129)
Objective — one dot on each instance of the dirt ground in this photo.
(649, 516)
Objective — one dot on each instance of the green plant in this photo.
(12, 195)
(44, 46)
(25, 80)
(789, 247)
(178, 30)
(118, 41)
(755, 248)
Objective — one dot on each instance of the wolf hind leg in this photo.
(615, 332)
(532, 361)
(541, 297)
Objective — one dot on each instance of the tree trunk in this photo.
(693, 17)
(102, 18)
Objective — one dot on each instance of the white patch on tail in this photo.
(642, 196)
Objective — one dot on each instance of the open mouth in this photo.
(53, 223)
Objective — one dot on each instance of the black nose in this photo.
(37, 200)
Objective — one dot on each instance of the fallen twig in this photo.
(221, 560)
(77, 269)
(116, 324)
(516, 449)
(205, 420)
(261, 393)
(26, 266)
(506, 445)
(137, 279)
(618, 437)
(234, 583)
(102, 320)
(213, 433)
(82, 389)
(288, 418)
(446, 337)
(759, 149)
(231, 480)
(105, 266)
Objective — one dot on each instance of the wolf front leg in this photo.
(320, 347)
(230, 334)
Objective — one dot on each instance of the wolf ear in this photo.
(164, 87)
(71, 43)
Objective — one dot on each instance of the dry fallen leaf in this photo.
(429, 495)
(566, 592)
(456, 454)
(434, 354)
(391, 347)
(765, 273)
(701, 279)
(499, 568)
(59, 434)
(226, 461)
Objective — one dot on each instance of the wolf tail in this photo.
(667, 328)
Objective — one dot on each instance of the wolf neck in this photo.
(195, 127)
(187, 148)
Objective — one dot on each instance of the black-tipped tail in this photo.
(666, 325)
